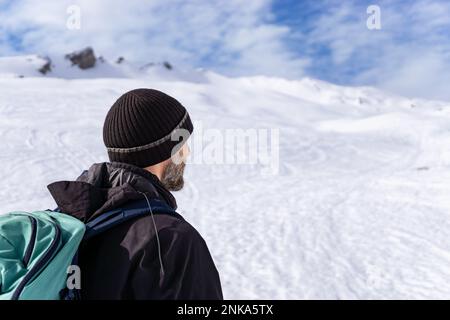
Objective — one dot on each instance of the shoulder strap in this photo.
(113, 218)
(133, 210)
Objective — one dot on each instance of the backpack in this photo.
(38, 248)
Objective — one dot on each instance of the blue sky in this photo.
(328, 39)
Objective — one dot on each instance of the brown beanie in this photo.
(139, 125)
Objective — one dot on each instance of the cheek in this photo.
(185, 152)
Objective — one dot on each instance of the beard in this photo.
(172, 177)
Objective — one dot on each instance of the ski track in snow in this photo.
(358, 210)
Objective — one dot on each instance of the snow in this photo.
(359, 208)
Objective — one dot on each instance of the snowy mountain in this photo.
(60, 66)
(357, 207)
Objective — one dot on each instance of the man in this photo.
(151, 257)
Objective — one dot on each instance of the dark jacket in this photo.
(123, 262)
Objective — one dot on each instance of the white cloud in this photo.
(232, 36)
(410, 55)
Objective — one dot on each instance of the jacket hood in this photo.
(106, 186)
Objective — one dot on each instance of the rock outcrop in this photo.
(84, 59)
(46, 67)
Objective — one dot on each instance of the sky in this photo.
(327, 40)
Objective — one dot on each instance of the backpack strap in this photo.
(133, 210)
(113, 218)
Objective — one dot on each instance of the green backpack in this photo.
(36, 250)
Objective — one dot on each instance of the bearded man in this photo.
(156, 256)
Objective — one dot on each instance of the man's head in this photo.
(149, 129)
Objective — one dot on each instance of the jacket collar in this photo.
(106, 186)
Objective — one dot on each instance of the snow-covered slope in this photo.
(359, 208)
(61, 67)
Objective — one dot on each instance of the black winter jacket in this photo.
(123, 262)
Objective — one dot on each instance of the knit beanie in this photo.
(139, 126)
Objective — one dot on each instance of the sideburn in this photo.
(172, 177)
